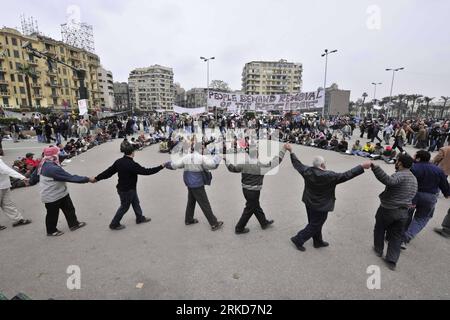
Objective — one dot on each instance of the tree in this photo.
(414, 98)
(400, 105)
(28, 72)
(219, 85)
(444, 106)
(364, 95)
(427, 101)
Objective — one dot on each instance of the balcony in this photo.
(52, 73)
(35, 85)
(53, 84)
(2, 69)
(38, 96)
(32, 63)
(3, 81)
(55, 95)
(4, 94)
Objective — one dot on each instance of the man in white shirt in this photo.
(6, 204)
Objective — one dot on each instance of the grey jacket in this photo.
(400, 190)
(253, 173)
(52, 182)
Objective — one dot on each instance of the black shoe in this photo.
(194, 221)
(143, 220)
(437, 230)
(378, 253)
(390, 265)
(323, 244)
(21, 223)
(242, 231)
(117, 228)
(78, 226)
(403, 246)
(217, 226)
(2, 227)
(299, 247)
(267, 224)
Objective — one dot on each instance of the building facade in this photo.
(337, 102)
(272, 77)
(121, 96)
(180, 96)
(106, 86)
(151, 88)
(28, 82)
(196, 98)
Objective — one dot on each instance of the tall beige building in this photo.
(46, 87)
(152, 88)
(272, 77)
(106, 86)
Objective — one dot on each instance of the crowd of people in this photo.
(406, 205)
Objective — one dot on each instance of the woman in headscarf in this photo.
(54, 192)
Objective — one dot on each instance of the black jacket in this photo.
(128, 171)
(320, 185)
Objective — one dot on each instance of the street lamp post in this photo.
(325, 81)
(375, 90)
(207, 79)
(392, 84)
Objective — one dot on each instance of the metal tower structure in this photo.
(29, 25)
(79, 35)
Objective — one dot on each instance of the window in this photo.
(20, 78)
(18, 65)
(13, 78)
(5, 101)
(61, 49)
(22, 90)
(15, 92)
(14, 41)
(16, 54)
(24, 102)
(6, 38)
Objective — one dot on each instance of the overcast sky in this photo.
(370, 36)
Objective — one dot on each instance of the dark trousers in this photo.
(127, 199)
(398, 144)
(446, 223)
(252, 207)
(199, 195)
(51, 219)
(316, 220)
(390, 223)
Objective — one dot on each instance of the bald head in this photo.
(319, 162)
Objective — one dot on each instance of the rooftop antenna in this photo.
(29, 25)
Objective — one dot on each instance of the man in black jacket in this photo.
(319, 196)
(128, 172)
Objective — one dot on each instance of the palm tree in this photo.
(427, 100)
(28, 72)
(400, 98)
(364, 95)
(445, 104)
(414, 98)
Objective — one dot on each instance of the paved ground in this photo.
(173, 261)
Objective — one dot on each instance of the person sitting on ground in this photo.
(377, 152)
(30, 162)
(342, 146)
(356, 148)
(389, 155)
(368, 148)
(334, 143)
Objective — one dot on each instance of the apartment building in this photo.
(121, 96)
(28, 82)
(152, 88)
(106, 86)
(272, 77)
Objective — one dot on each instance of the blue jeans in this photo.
(127, 199)
(424, 211)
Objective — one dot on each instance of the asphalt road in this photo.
(172, 261)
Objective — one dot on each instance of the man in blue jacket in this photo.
(195, 167)
(430, 179)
